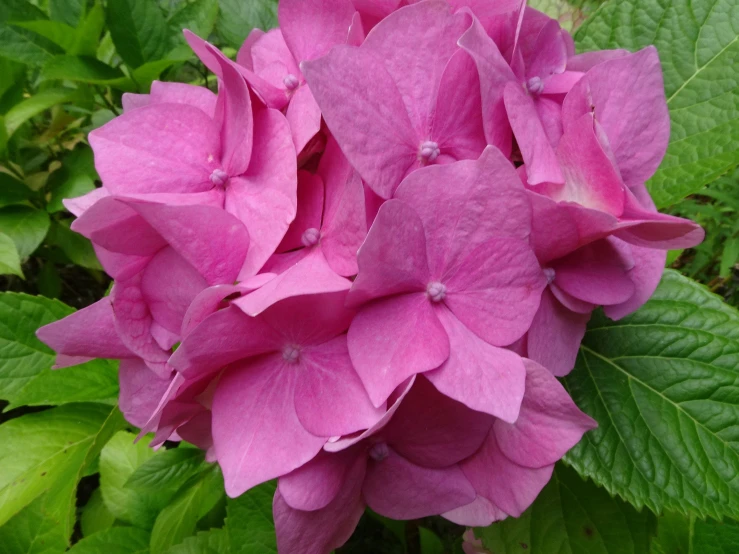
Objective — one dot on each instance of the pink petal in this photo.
(478, 513)
(224, 337)
(507, 485)
(89, 332)
(168, 303)
(494, 73)
(181, 93)
(549, 52)
(433, 430)
(304, 117)
(490, 207)
(309, 211)
(330, 399)
(415, 44)
(131, 101)
(312, 28)
(81, 204)
(399, 489)
(555, 335)
(392, 259)
(120, 267)
(457, 123)
(265, 197)
(597, 273)
(549, 425)
(495, 291)
(141, 391)
(314, 485)
(321, 531)
(311, 275)
(157, 148)
(587, 60)
(646, 274)
(356, 92)
(210, 239)
(628, 98)
(256, 432)
(541, 162)
(554, 231)
(233, 115)
(481, 376)
(269, 50)
(394, 338)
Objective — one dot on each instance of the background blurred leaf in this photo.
(168, 469)
(76, 248)
(38, 103)
(81, 69)
(96, 516)
(18, 44)
(116, 540)
(698, 44)
(26, 226)
(199, 16)
(12, 191)
(663, 384)
(238, 18)
(214, 541)
(67, 11)
(138, 29)
(10, 262)
(249, 524)
(88, 33)
(572, 516)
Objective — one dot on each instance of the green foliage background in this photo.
(658, 476)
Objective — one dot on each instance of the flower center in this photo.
(291, 353)
(219, 178)
(535, 86)
(436, 291)
(310, 237)
(379, 451)
(291, 82)
(428, 151)
(549, 273)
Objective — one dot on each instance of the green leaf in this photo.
(198, 16)
(23, 357)
(76, 247)
(12, 191)
(67, 11)
(249, 524)
(430, 543)
(569, 13)
(729, 257)
(571, 516)
(19, 44)
(673, 535)
(35, 105)
(72, 187)
(178, 520)
(118, 460)
(36, 528)
(138, 29)
(678, 534)
(116, 540)
(238, 18)
(214, 541)
(87, 37)
(95, 515)
(59, 33)
(10, 262)
(169, 468)
(47, 451)
(663, 385)
(82, 69)
(26, 226)
(698, 44)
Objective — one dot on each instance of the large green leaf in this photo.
(569, 13)
(663, 385)
(198, 16)
(18, 44)
(249, 523)
(10, 261)
(238, 18)
(95, 515)
(25, 362)
(26, 226)
(214, 541)
(12, 191)
(118, 460)
(68, 11)
(20, 113)
(36, 528)
(698, 44)
(116, 540)
(77, 248)
(194, 500)
(57, 32)
(138, 29)
(48, 451)
(169, 468)
(678, 534)
(572, 516)
(83, 69)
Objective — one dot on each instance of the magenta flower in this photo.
(447, 277)
(185, 149)
(407, 98)
(288, 385)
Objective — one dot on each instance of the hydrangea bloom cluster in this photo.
(360, 265)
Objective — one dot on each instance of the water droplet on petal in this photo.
(379, 451)
(535, 86)
(429, 151)
(436, 291)
(291, 353)
(310, 237)
(219, 178)
(291, 82)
